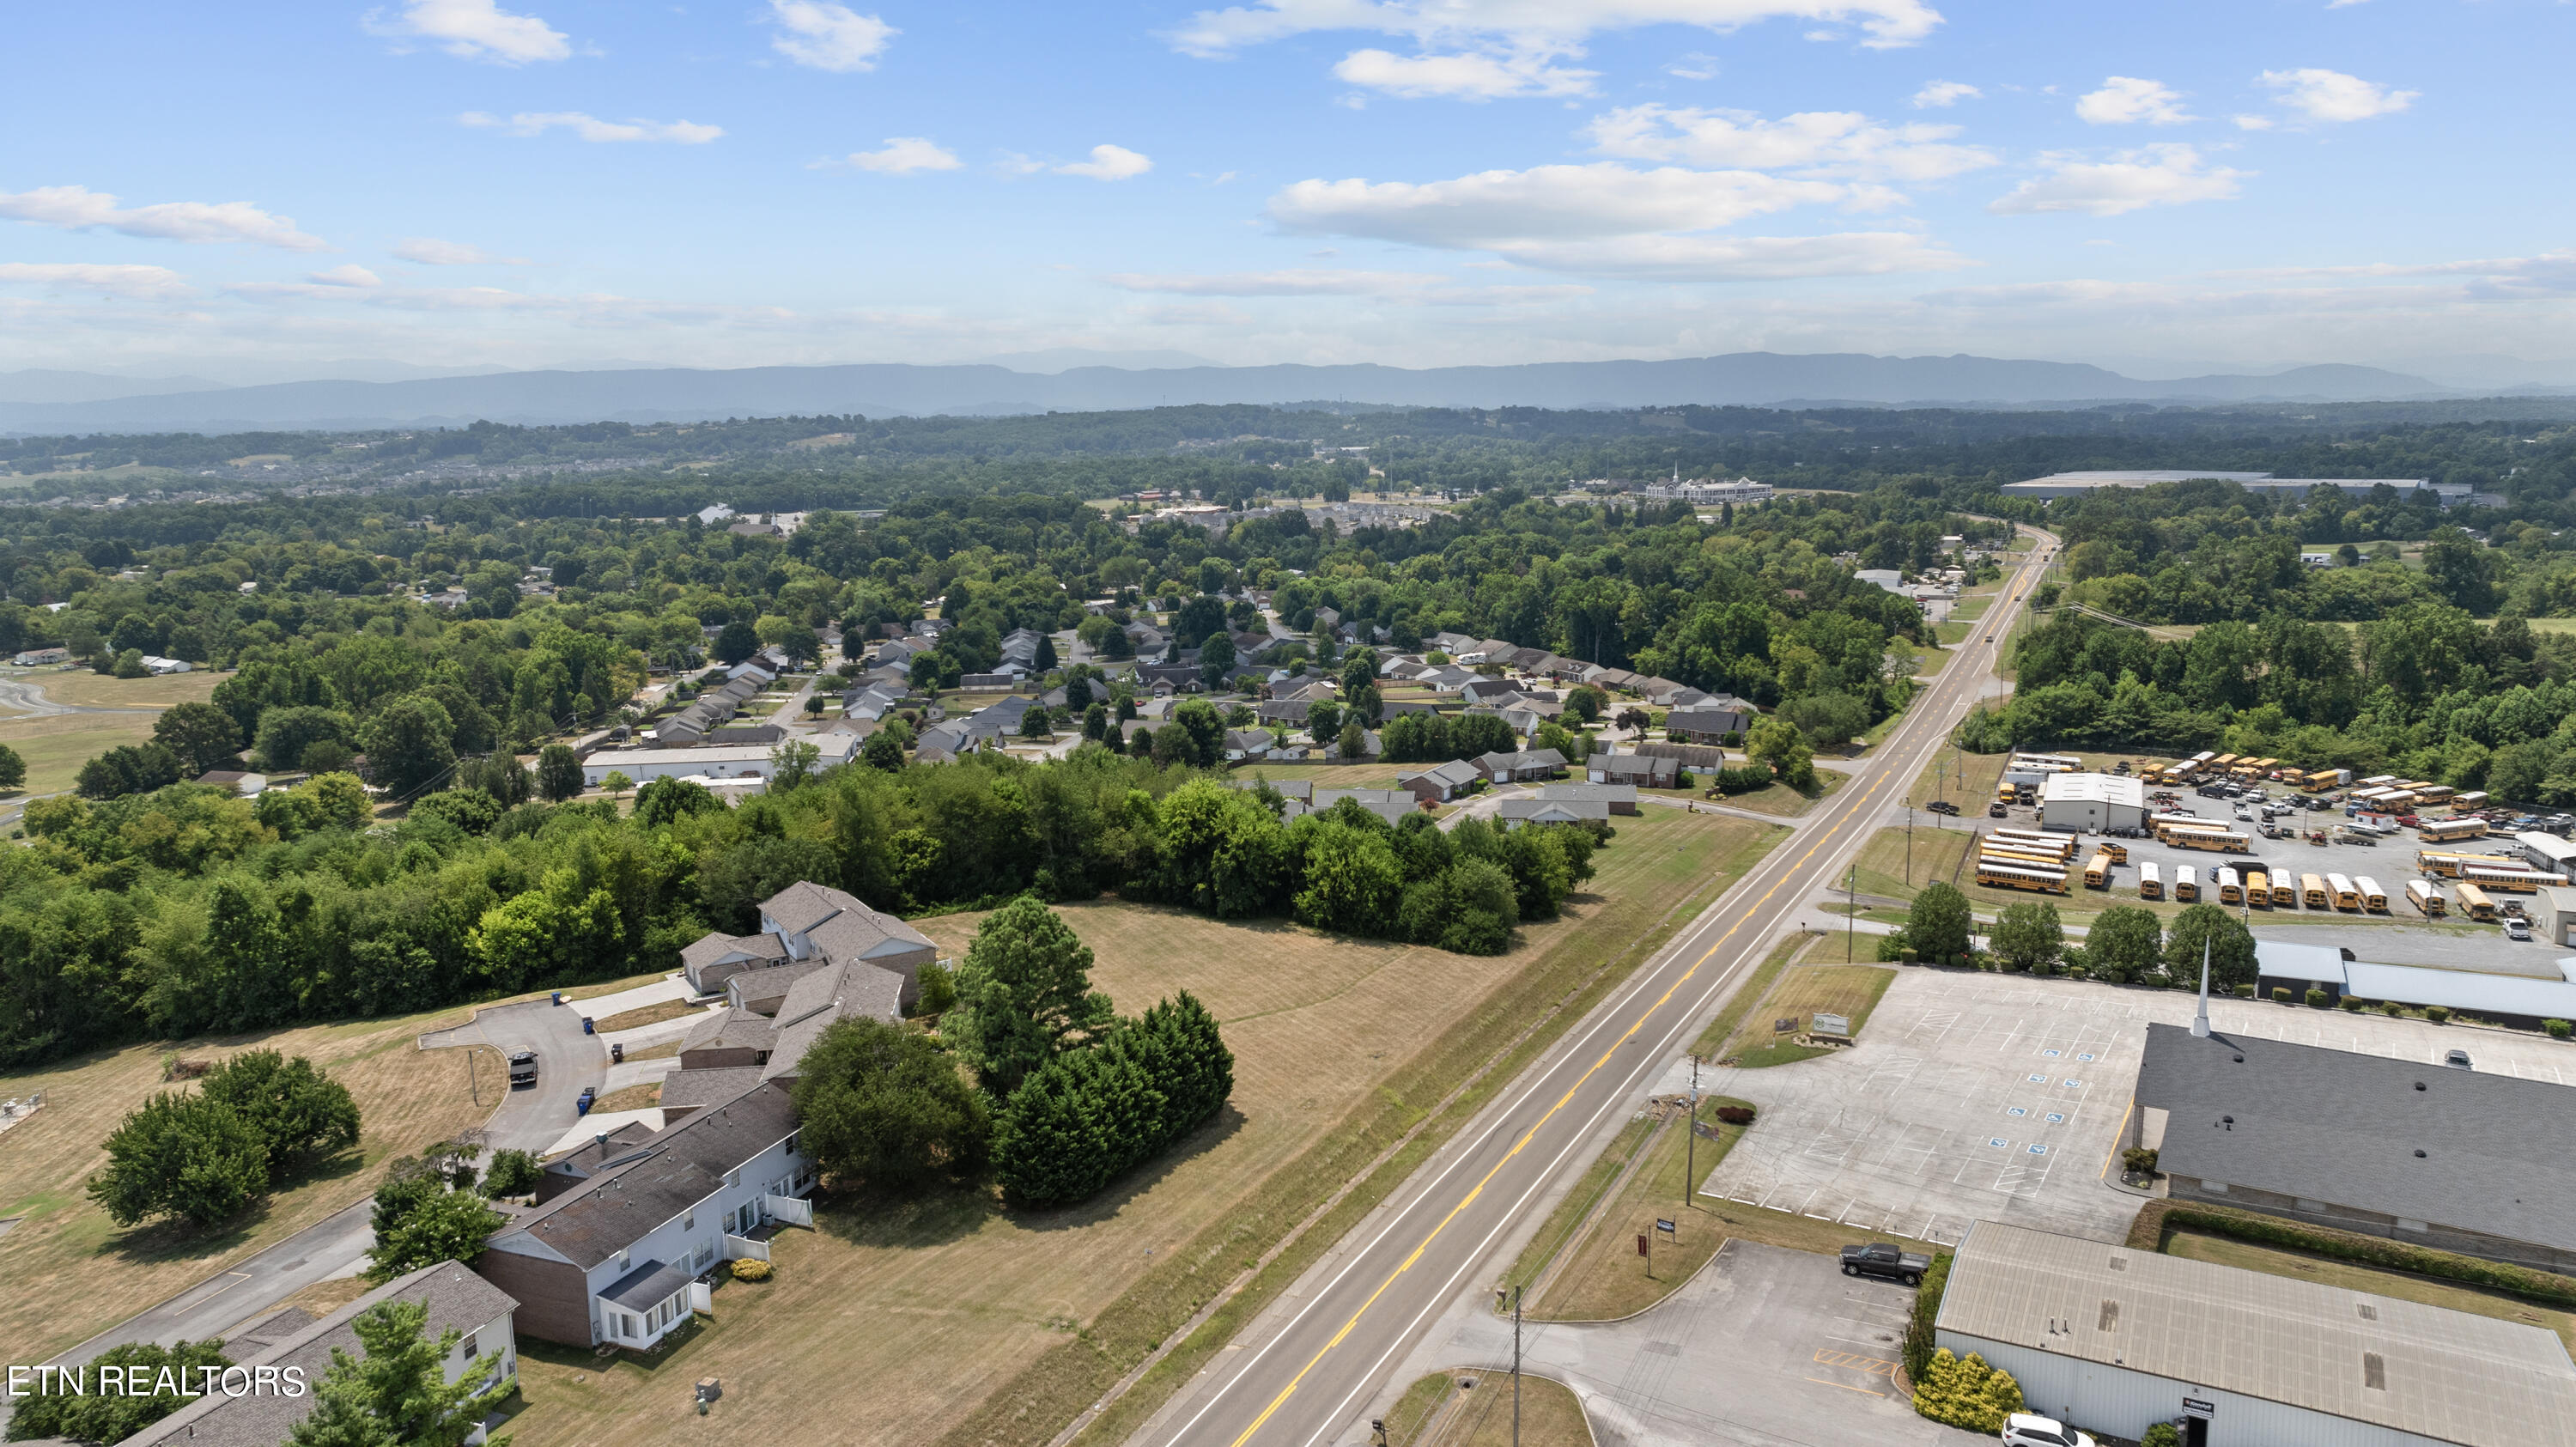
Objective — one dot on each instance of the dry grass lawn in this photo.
(76, 1273)
(55, 747)
(1847, 990)
(1784, 802)
(633, 1097)
(1604, 1278)
(1325, 776)
(999, 1325)
(1457, 1416)
(100, 690)
(638, 1018)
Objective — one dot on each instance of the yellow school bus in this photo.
(2186, 884)
(2475, 904)
(2151, 884)
(2312, 891)
(2097, 872)
(2230, 889)
(2427, 899)
(2021, 876)
(2373, 898)
(2346, 898)
(2258, 889)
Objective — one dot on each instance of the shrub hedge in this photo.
(1086, 1116)
(1965, 1392)
(1927, 1309)
(2541, 1286)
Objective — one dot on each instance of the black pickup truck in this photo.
(1885, 1262)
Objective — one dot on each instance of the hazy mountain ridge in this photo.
(889, 389)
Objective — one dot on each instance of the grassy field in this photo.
(1440, 1411)
(1779, 799)
(100, 690)
(1324, 776)
(638, 1018)
(2300, 1266)
(57, 746)
(1848, 990)
(1603, 1277)
(77, 1273)
(1741, 1003)
(633, 1097)
(1002, 1325)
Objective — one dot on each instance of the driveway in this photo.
(567, 1060)
(1765, 1347)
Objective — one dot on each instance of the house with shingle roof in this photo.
(1442, 782)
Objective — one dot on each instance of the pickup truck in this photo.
(523, 1069)
(1884, 1261)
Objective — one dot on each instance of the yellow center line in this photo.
(1853, 809)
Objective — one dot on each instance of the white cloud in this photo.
(133, 283)
(825, 36)
(1304, 281)
(591, 128)
(1818, 143)
(430, 251)
(1468, 76)
(78, 208)
(1741, 258)
(1108, 163)
(474, 29)
(2252, 123)
(1694, 66)
(900, 156)
(1502, 210)
(2332, 96)
(1942, 94)
(1536, 26)
(2167, 175)
(2126, 100)
(350, 275)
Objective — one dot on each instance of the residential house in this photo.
(901, 651)
(732, 761)
(1442, 782)
(1513, 813)
(1489, 650)
(1181, 674)
(1486, 690)
(1616, 678)
(248, 786)
(1241, 744)
(759, 668)
(1449, 678)
(1452, 644)
(1712, 724)
(37, 657)
(1616, 798)
(1282, 713)
(1525, 765)
(1295, 791)
(293, 1339)
(611, 1260)
(1388, 804)
(1633, 770)
(717, 957)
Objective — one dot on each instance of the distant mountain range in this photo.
(892, 389)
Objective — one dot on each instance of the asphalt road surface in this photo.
(1307, 1370)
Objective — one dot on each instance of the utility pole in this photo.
(1511, 1296)
(1909, 843)
(1690, 1141)
(1851, 895)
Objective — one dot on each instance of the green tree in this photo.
(1324, 720)
(300, 1112)
(102, 1416)
(2125, 938)
(13, 769)
(1778, 743)
(445, 1225)
(883, 1108)
(884, 751)
(285, 732)
(2231, 947)
(513, 1172)
(129, 664)
(792, 762)
(1938, 923)
(202, 735)
(2028, 936)
(559, 773)
(1216, 660)
(735, 642)
(1023, 995)
(398, 1391)
(1354, 742)
(1829, 719)
(408, 745)
(1204, 728)
(616, 785)
(181, 1156)
(1033, 724)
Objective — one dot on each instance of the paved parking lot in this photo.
(1975, 1096)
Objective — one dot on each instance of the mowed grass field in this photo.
(952, 1318)
(1443, 1412)
(1324, 776)
(76, 1273)
(55, 747)
(1851, 991)
(100, 690)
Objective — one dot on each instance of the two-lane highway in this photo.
(1305, 1372)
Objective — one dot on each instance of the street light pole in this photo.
(1851, 911)
(1511, 1295)
(1690, 1138)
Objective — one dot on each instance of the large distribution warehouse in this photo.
(2114, 1340)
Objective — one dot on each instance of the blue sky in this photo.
(1422, 182)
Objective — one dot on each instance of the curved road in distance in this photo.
(1305, 1372)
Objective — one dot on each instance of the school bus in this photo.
(2312, 891)
(2231, 890)
(2474, 799)
(2118, 851)
(2324, 779)
(2475, 904)
(2219, 841)
(2426, 898)
(2285, 892)
(2186, 889)
(2201, 760)
(2038, 843)
(2448, 863)
(2151, 884)
(2021, 876)
(2258, 889)
(2511, 881)
(2433, 793)
(2373, 898)
(2450, 831)
(2013, 856)
(2346, 898)
(2097, 872)
(2222, 762)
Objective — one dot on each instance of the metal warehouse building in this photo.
(2091, 801)
(2114, 1340)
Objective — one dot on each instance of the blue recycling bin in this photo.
(589, 1026)
(558, 997)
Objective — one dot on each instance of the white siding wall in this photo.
(677, 1242)
(2114, 1399)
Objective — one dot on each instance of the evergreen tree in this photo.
(398, 1391)
(1024, 995)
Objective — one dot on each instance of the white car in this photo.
(2026, 1429)
(2517, 929)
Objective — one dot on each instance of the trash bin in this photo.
(617, 1054)
(589, 1026)
(558, 997)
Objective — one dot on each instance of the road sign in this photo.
(1664, 1226)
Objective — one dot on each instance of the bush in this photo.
(2162, 1434)
(2245, 992)
(2558, 1029)
(1736, 1114)
(1965, 1392)
(2316, 998)
(2436, 1013)
(2391, 1009)
(2280, 994)
(750, 1269)
(2140, 1160)
(2260, 1230)
(2352, 1003)
(1917, 1350)
(106, 1416)
(1911, 956)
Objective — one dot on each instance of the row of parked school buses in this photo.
(2045, 863)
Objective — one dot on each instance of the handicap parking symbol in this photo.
(2085, 1056)
(2072, 1084)
(1998, 1142)
(2037, 1079)
(2015, 1110)
(2057, 1117)
(2049, 1054)
(2039, 1150)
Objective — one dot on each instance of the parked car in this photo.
(523, 1069)
(1886, 1262)
(2457, 1060)
(2517, 929)
(2027, 1429)
(1942, 806)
